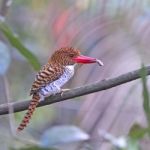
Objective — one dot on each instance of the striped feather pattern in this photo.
(46, 75)
(27, 117)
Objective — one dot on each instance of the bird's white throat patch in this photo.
(55, 86)
(65, 77)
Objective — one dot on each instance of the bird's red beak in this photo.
(87, 60)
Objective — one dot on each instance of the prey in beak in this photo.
(87, 60)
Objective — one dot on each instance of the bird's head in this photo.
(70, 56)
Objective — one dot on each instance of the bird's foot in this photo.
(63, 90)
(42, 98)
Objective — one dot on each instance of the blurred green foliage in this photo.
(33, 148)
(137, 132)
(16, 43)
(66, 24)
(146, 98)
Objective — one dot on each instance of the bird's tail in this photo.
(34, 102)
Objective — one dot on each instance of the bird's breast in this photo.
(65, 77)
(55, 86)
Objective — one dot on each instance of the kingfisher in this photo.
(52, 76)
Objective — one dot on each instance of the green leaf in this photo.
(132, 144)
(16, 43)
(146, 103)
(137, 132)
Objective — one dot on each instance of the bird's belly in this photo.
(55, 87)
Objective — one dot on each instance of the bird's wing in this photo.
(45, 76)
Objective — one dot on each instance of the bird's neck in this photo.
(70, 67)
(55, 65)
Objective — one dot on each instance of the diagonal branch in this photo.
(80, 91)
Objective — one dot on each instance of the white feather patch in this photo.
(55, 87)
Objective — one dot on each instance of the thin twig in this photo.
(80, 91)
(5, 5)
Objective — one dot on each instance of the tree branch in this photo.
(84, 90)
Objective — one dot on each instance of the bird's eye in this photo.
(71, 55)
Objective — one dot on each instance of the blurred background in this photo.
(115, 31)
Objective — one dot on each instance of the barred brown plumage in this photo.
(27, 117)
(52, 76)
(46, 75)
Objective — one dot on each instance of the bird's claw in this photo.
(63, 90)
